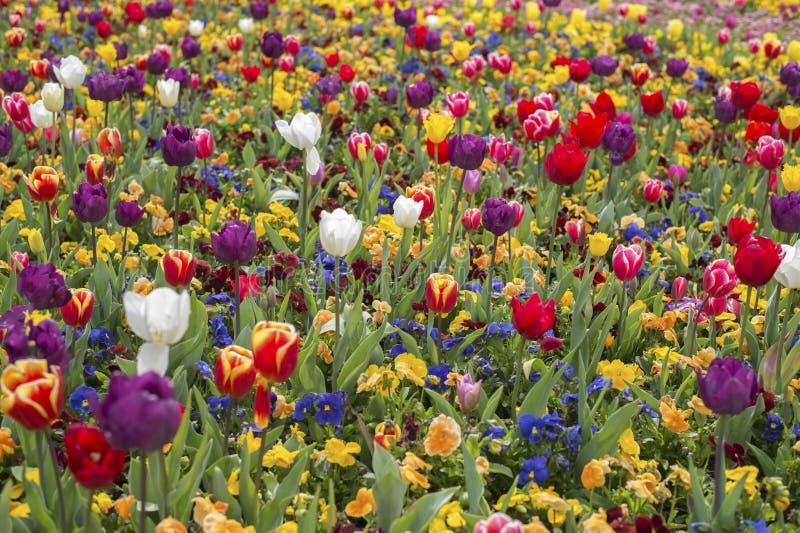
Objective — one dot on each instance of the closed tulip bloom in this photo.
(471, 219)
(105, 87)
(178, 148)
(19, 260)
(618, 138)
(360, 91)
(43, 286)
(469, 393)
(626, 261)
(676, 67)
(53, 97)
(588, 129)
(128, 213)
(205, 143)
(43, 340)
(234, 371)
(380, 152)
(788, 272)
(275, 347)
(499, 523)
(359, 144)
(756, 260)
(95, 169)
(190, 48)
(604, 66)
(466, 151)
(139, 412)
(437, 127)
(235, 243)
(728, 386)
(78, 310)
(419, 95)
(90, 202)
(719, 278)
(471, 182)
(441, 293)
(178, 267)
(497, 216)
(533, 318)
(168, 90)
(16, 107)
(196, 27)
(70, 73)
(790, 74)
(262, 403)
(42, 183)
(565, 163)
(13, 80)
(32, 393)
(679, 108)
(303, 133)
(785, 212)
(652, 103)
(652, 190)
(160, 319)
(500, 149)
(5, 139)
(458, 104)
(109, 141)
(339, 232)
(91, 459)
(406, 212)
(272, 44)
(41, 117)
(770, 152)
(724, 110)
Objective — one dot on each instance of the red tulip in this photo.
(579, 69)
(234, 371)
(756, 260)
(381, 151)
(588, 129)
(32, 395)
(347, 73)
(604, 104)
(90, 458)
(652, 190)
(458, 104)
(360, 91)
(179, 267)
(262, 405)
(640, 73)
(78, 310)
(738, 228)
(275, 346)
(421, 193)
(250, 73)
(471, 219)
(679, 108)
(441, 293)
(95, 168)
(109, 140)
(359, 144)
(755, 130)
(564, 165)
(626, 261)
(744, 95)
(205, 143)
(437, 152)
(533, 318)
(42, 183)
(770, 152)
(719, 278)
(235, 42)
(652, 103)
(104, 29)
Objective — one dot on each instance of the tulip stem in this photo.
(719, 464)
(607, 192)
(236, 299)
(454, 216)
(94, 245)
(489, 278)
(177, 209)
(518, 375)
(261, 451)
(303, 216)
(143, 494)
(553, 227)
(744, 316)
(88, 516)
(53, 139)
(227, 425)
(47, 228)
(334, 367)
(62, 513)
(162, 464)
(622, 312)
(779, 388)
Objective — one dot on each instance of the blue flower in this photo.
(205, 370)
(494, 432)
(774, 428)
(437, 375)
(220, 332)
(535, 428)
(81, 398)
(216, 404)
(330, 408)
(598, 384)
(101, 338)
(501, 329)
(303, 406)
(397, 349)
(572, 438)
(795, 431)
(534, 470)
(759, 526)
(568, 398)
(219, 298)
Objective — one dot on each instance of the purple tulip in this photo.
(790, 74)
(105, 87)
(469, 393)
(618, 138)
(604, 66)
(157, 64)
(390, 95)
(132, 78)
(272, 44)
(724, 110)
(405, 17)
(729, 387)
(139, 412)
(95, 17)
(466, 151)
(497, 215)
(128, 213)
(13, 81)
(43, 286)
(41, 341)
(190, 48)
(159, 10)
(180, 75)
(432, 41)
(552, 3)
(122, 50)
(329, 85)
(178, 147)
(259, 10)
(235, 243)
(90, 202)
(5, 139)
(634, 41)
(419, 94)
(676, 67)
(785, 212)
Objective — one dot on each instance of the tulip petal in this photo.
(152, 357)
(312, 160)
(287, 132)
(136, 314)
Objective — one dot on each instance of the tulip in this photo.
(16, 107)
(70, 73)
(42, 183)
(466, 151)
(744, 94)
(728, 387)
(168, 90)
(53, 97)
(196, 27)
(42, 340)
(178, 147)
(5, 139)
(160, 319)
(679, 286)
(604, 66)
(406, 212)
(537, 125)
(738, 228)
(78, 310)
(303, 133)
(90, 203)
(652, 103)
(139, 412)
(565, 164)
(497, 216)
(788, 272)
(724, 110)
(262, 408)
(640, 73)
(533, 318)
(272, 44)
(579, 70)
(339, 232)
(785, 212)
(31, 396)
(719, 278)
(618, 139)
(652, 190)
(458, 104)
(359, 144)
(471, 182)
(204, 140)
(588, 129)
(626, 261)
(105, 87)
(234, 371)
(419, 94)
(178, 267)
(499, 149)
(40, 116)
(275, 347)
(91, 459)
(679, 108)
(499, 523)
(676, 67)
(43, 286)
(39, 69)
(471, 219)
(360, 91)
(756, 260)
(234, 244)
(380, 151)
(95, 169)
(469, 393)
(128, 213)
(19, 260)
(770, 152)
(441, 293)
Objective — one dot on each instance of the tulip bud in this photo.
(95, 168)
(53, 97)
(679, 285)
(576, 231)
(406, 212)
(275, 346)
(35, 241)
(458, 104)
(519, 212)
(723, 36)
(441, 293)
(469, 393)
(205, 143)
(471, 219)
(78, 310)
(359, 144)
(42, 183)
(360, 91)
(109, 141)
(652, 190)
(179, 267)
(471, 181)
(286, 63)
(380, 151)
(387, 434)
(19, 260)
(262, 405)
(235, 371)
(423, 194)
(679, 108)
(719, 278)
(626, 261)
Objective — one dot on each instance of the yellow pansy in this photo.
(594, 474)
(412, 368)
(790, 117)
(233, 482)
(153, 251)
(363, 505)
(628, 444)
(735, 474)
(279, 456)
(619, 373)
(673, 418)
(339, 452)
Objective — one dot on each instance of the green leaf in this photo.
(389, 489)
(173, 458)
(359, 359)
(187, 352)
(443, 406)
(308, 524)
(535, 402)
(5, 507)
(270, 516)
(726, 517)
(491, 405)
(473, 479)
(606, 440)
(186, 486)
(417, 517)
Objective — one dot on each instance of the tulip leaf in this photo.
(418, 516)
(247, 488)
(491, 405)
(696, 501)
(359, 359)
(270, 515)
(5, 507)
(389, 489)
(443, 406)
(473, 479)
(535, 401)
(173, 458)
(606, 440)
(308, 524)
(726, 516)
(188, 351)
(188, 483)
(275, 240)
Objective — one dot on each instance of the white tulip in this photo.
(432, 22)
(53, 97)
(168, 92)
(41, 117)
(788, 273)
(246, 25)
(406, 212)
(141, 31)
(303, 133)
(71, 73)
(196, 27)
(339, 232)
(160, 319)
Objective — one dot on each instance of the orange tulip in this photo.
(234, 373)
(275, 346)
(78, 311)
(95, 168)
(262, 405)
(32, 396)
(441, 293)
(179, 266)
(109, 141)
(43, 183)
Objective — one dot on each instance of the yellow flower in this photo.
(619, 373)
(204, 506)
(437, 126)
(363, 505)
(674, 29)
(35, 241)
(107, 52)
(790, 117)
(14, 210)
(101, 503)
(793, 51)
(411, 368)
(790, 177)
(449, 517)
(20, 510)
(253, 442)
(153, 251)
(461, 50)
(599, 244)
(444, 436)
(339, 452)
(628, 444)
(233, 482)
(735, 474)
(412, 477)
(697, 404)
(279, 456)
(672, 418)
(379, 379)
(123, 507)
(170, 525)
(647, 487)
(594, 474)
(597, 523)
(288, 527)
(172, 26)
(561, 74)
